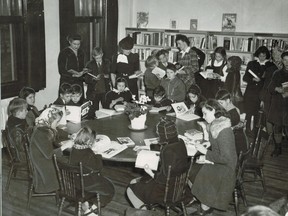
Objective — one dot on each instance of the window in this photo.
(22, 45)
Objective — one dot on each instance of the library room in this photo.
(129, 107)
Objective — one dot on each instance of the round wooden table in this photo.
(117, 126)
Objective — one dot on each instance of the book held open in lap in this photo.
(147, 158)
(182, 112)
(208, 74)
(159, 72)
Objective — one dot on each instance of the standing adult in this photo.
(71, 61)
(126, 64)
(254, 78)
(188, 58)
(278, 113)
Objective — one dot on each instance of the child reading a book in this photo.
(150, 188)
(218, 64)
(76, 96)
(65, 93)
(151, 80)
(98, 80)
(17, 126)
(194, 99)
(174, 86)
(163, 57)
(160, 98)
(254, 77)
(119, 96)
(28, 94)
(224, 99)
(92, 163)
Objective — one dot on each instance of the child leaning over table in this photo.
(76, 97)
(92, 163)
(174, 86)
(65, 93)
(98, 81)
(160, 99)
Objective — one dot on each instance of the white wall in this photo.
(252, 16)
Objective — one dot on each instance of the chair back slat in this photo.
(70, 179)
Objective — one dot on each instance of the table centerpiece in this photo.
(137, 112)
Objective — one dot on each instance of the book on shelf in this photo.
(126, 141)
(159, 72)
(226, 43)
(182, 112)
(147, 158)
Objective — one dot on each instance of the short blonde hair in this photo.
(85, 137)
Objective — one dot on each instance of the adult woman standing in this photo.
(254, 85)
(71, 61)
(188, 58)
(126, 64)
(214, 183)
(42, 149)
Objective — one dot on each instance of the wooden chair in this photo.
(174, 194)
(254, 163)
(31, 187)
(15, 164)
(71, 180)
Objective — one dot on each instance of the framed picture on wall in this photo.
(173, 24)
(229, 22)
(193, 24)
(142, 19)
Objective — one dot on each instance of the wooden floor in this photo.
(275, 169)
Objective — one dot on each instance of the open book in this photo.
(208, 74)
(159, 72)
(194, 134)
(182, 112)
(126, 141)
(157, 109)
(103, 113)
(78, 113)
(63, 120)
(147, 158)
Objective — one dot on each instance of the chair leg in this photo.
(79, 209)
(98, 204)
(184, 209)
(9, 178)
(61, 206)
(167, 213)
(236, 204)
(30, 191)
(243, 195)
(262, 179)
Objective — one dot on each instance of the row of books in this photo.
(270, 43)
(145, 52)
(237, 44)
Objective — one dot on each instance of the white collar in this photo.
(262, 63)
(117, 91)
(186, 50)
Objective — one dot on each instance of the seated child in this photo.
(194, 99)
(76, 96)
(28, 94)
(119, 96)
(92, 163)
(150, 188)
(224, 99)
(98, 86)
(174, 86)
(162, 56)
(160, 99)
(151, 81)
(65, 92)
(17, 126)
